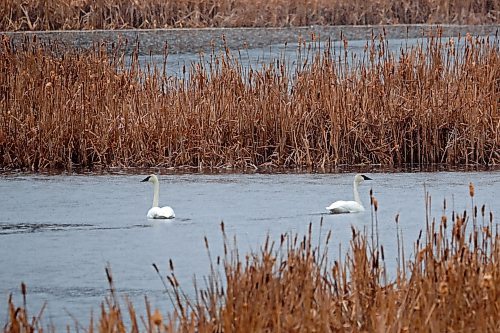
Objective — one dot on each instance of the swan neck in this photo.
(156, 194)
(356, 193)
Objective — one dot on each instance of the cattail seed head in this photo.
(487, 281)
(109, 275)
(443, 288)
(468, 37)
(487, 232)
(471, 189)
(157, 318)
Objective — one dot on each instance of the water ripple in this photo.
(27, 228)
(21, 228)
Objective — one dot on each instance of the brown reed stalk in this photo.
(449, 288)
(434, 104)
(107, 14)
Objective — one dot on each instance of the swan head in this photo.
(360, 178)
(151, 178)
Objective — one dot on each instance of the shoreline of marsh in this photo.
(100, 171)
(195, 40)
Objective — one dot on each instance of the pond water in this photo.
(178, 65)
(58, 233)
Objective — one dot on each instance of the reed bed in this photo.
(450, 284)
(432, 104)
(126, 14)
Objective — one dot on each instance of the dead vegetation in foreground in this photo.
(450, 284)
(433, 104)
(127, 14)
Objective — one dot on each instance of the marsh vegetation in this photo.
(433, 104)
(105, 14)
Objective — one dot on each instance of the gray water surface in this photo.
(58, 233)
(293, 55)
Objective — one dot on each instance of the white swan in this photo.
(158, 212)
(340, 207)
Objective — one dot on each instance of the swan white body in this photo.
(342, 207)
(161, 213)
(158, 212)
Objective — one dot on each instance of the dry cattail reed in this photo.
(157, 318)
(471, 190)
(62, 109)
(88, 14)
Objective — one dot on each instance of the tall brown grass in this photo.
(450, 284)
(433, 104)
(107, 14)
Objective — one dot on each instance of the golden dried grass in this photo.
(433, 104)
(107, 14)
(451, 283)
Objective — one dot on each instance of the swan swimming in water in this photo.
(158, 212)
(340, 207)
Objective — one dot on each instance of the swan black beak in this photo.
(145, 179)
(366, 178)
